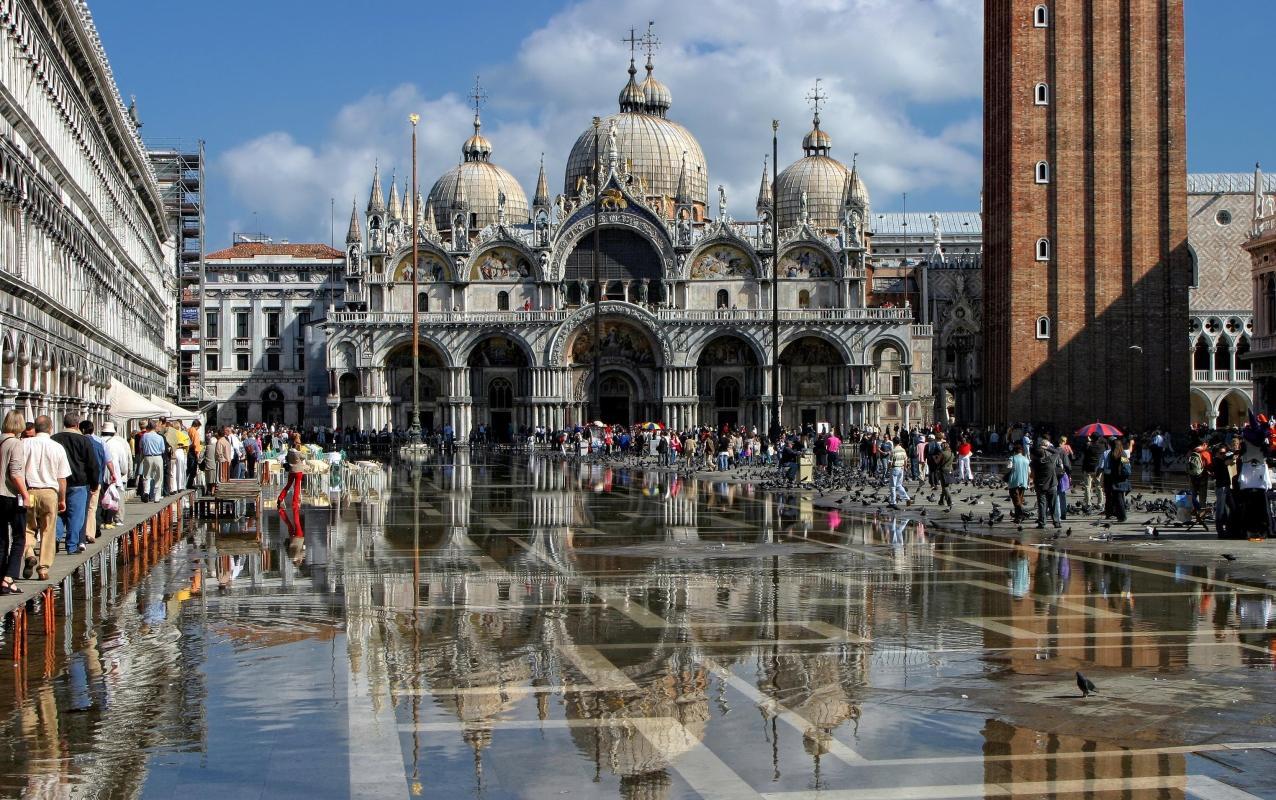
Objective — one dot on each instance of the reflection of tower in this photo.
(1015, 755)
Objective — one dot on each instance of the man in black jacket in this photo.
(1045, 480)
(84, 472)
(1092, 466)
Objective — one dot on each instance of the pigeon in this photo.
(1068, 532)
(1086, 685)
(1228, 557)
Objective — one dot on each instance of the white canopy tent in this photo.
(174, 411)
(127, 404)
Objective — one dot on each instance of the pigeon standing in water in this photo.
(1086, 685)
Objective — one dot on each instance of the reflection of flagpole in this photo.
(414, 426)
(776, 428)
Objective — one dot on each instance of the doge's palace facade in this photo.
(87, 282)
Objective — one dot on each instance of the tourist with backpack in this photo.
(1198, 474)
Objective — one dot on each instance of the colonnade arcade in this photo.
(536, 374)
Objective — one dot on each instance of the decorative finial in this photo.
(816, 98)
(650, 43)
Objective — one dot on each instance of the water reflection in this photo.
(530, 627)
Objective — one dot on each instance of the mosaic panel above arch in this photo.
(431, 268)
(620, 340)
(721, 261)
(501, 264)
(806, 262)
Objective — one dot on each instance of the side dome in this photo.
(651, 144)
(824, 180)
(475, 186)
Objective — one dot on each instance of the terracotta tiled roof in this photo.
(298, 250)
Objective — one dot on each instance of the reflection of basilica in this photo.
(506, 290)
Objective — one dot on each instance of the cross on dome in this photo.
(816, 98)
(633, 40)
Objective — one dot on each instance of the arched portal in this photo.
(1233, 409)
(499, 375)
(624, 350)
(272, 406)
(730, 383)
(348, 390)
(812, 376)
(398, 379)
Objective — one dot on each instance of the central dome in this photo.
(650, 143)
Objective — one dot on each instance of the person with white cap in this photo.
(121, 456)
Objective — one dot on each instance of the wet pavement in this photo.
(519, 627)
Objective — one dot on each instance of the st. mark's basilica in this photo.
(506, 291)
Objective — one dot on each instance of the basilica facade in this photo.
(506, 293)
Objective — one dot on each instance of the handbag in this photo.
(1065, 482)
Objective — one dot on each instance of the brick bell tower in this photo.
(1086, 266)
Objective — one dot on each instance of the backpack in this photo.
(1195, 464)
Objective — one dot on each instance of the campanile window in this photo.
(1043, 172)
(1041, 16)
(1041, 94)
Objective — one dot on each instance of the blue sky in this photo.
(296, 99)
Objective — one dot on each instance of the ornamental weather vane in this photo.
(477, 95)
(816, 97)
(649, 41)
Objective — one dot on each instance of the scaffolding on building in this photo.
(179, 168)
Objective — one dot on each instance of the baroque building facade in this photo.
(261, 361)
(506, 293)
(87, 267)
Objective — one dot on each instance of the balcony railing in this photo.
(1262, 344)
(272, 342)
(1220, 376)
(243, 343)
(741, 315)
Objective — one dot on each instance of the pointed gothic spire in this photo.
(431, 229)
(376, 201)
(353, 235)
(683, 198)
(542, 187)
(405, 208)
(764, 190)
(394, 196)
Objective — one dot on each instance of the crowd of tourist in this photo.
(59, 489)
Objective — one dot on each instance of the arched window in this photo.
(1041, 16)
(1043, 249)
(724, 300)
(1201, 354)
(423, 302)
(503, 301)
(1041, 94)
(1223, 355)
(726, 393)
(804, 299)
(1194, 276)
(1043, 327)
(500, 394)
(375, 224)
(1043, 172)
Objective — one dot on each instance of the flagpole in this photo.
(414, 427)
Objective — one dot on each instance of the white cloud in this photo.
(731, 66)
